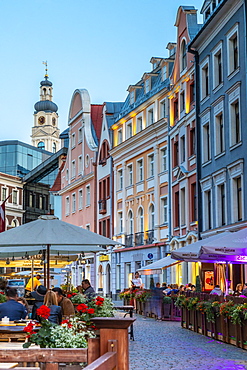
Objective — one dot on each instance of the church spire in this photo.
(46, 70)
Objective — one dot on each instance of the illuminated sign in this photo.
(103, 257)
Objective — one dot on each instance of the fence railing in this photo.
(109, 351)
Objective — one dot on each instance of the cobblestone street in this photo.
(163, 345)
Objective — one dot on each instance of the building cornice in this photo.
(75, 184)
(140, 138)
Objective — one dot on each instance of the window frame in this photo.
(218, 70)
(231, 68)
(205, 81)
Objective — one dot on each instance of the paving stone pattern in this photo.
(163, 345)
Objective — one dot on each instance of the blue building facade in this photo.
(220, 57)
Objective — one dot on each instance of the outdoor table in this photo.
(129, 310)
(13, 331)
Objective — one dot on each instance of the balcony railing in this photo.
(102, 206)
(150, 237)
(139, 238)
(129, 240)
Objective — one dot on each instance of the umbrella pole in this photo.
(45, 271)
(227, 277)
(48, 267)
(32, 275)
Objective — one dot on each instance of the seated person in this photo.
(50, 301)
(88, 290)
(12, 309)
(244, 292)
(23, 301)
(64, 302)
(39, 296)
(216, 290)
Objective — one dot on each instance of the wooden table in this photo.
(13, 331)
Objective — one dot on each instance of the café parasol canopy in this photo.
(233, 245)
(194, 252)
(157, 266)
(52, 235)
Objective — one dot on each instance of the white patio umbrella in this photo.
(194, 252)
(52, 235)
(157, 266)
(233, 245)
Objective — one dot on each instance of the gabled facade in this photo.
(140, 160)
(78, 177)
(183, 144)
(105, 191)
(220, 49)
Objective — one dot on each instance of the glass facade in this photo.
(17, 158)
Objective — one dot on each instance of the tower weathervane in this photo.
(46, 69)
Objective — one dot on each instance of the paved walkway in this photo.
(164, 345)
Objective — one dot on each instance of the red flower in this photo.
(73, 294)
(100, 299)
(82, 307)
(2, 293)
(69, 295)
(29, 327)
(90, 310)
(99, 303)
(43, 312)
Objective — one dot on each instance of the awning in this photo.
(158, 266)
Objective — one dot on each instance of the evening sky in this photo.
(103, 46)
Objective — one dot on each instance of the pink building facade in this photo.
(78, 176)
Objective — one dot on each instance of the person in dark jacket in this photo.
(50, 301)
(244, 292)
(88, 290)
(39, 296)
(12, 309)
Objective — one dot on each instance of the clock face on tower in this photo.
(41, 120)
(53, 121)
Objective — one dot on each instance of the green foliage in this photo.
(142, 295)
(198, 284)
(167, 300)
(3, 298)
(180, 301)
(239, 313)
(78, 298)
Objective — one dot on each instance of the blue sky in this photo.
(103, 46)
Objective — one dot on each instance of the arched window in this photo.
(141, 220)
(100, 277)
(44, 91)
(130, 222)
(14, 223)
(151, 217)
(41, 145)
(54, 148)
(183, 56)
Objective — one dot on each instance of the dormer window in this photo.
(147, 85)
(164, 72)
(207, 13)
(132, 97)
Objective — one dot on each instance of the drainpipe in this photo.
(198, 142)
(169, 179)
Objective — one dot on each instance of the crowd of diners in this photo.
(17, 308)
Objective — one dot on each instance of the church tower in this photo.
(45, 132)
